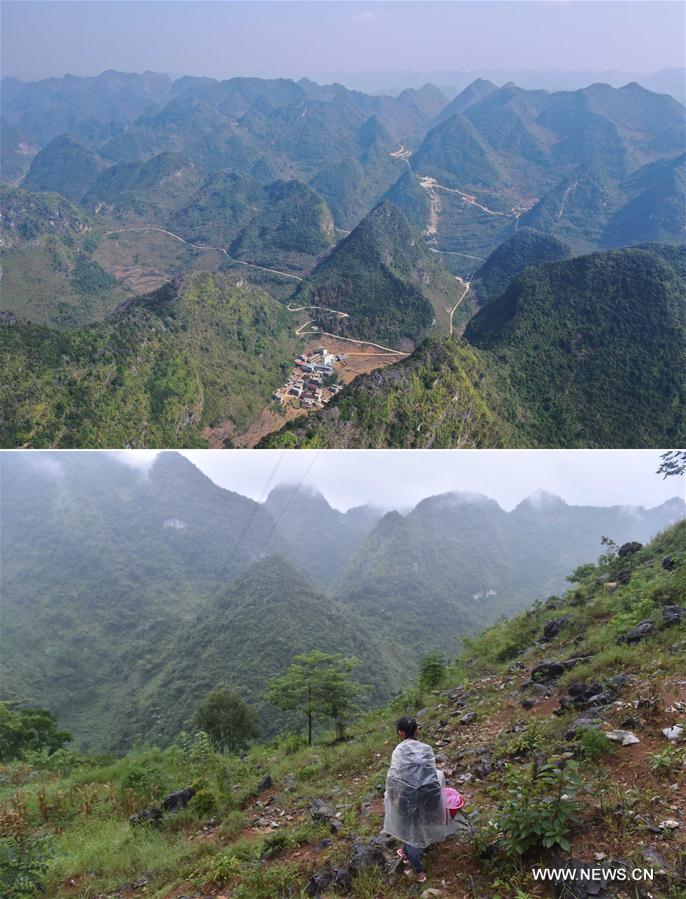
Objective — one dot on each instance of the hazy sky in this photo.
(400, 479)
(222, 39)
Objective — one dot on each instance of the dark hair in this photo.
(407, 725)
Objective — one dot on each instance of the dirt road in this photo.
(465, 284)
(198, 246)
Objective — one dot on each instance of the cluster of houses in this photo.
(309, 384)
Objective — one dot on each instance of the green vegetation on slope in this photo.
(166, 365)
(447, 394)
(594, 347)
(242, 639)
(384, 277)
(65, 167)
(582, 352)
(544, 784)
(524, 249)
(49, 275)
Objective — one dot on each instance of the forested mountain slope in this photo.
(583, 352)
(385, 279)
(561, 726)
(196, 352)
(129, 592)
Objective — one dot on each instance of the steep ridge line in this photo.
(198, 246)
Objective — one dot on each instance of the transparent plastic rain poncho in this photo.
(415, 800)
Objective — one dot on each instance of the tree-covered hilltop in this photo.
(197, 352)
(561, 726)
(247, 634)
(598, 373)
(386, 280)
(582, 352)
(64, 167)
(526, 248)
(146, 191)
(294, 225)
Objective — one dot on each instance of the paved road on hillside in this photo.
(198, 246)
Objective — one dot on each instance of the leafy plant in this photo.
(593, 744)
(28, 729)
(432, 671)
(668, 761)
(23, 865)
(541, 805)
(204, 802)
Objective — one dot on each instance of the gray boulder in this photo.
(366, 855)
(552, 628)
(673, 615)
(628, 549)
(642, 630)
(177, 800)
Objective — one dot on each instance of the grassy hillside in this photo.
(528, 746)
(194, 353)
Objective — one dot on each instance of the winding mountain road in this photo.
(198, 246)
(465, 284)
(430, 184)
(325, 308)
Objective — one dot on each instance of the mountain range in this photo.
(128, 593)
(143, 191)
(545, 364)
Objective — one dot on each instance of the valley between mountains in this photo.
(165, 584)
(551, 687)
(503, 267)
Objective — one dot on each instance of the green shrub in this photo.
(146, 780)
(592, 744)
(541, 806)
(204, 802)
(23, 865)
(668, 761)
(525, 743)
